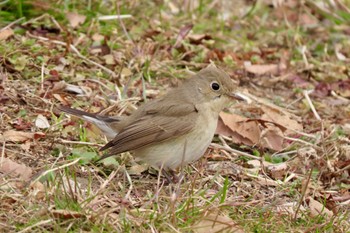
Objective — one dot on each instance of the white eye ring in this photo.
(215, 86)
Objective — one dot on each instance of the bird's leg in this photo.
(171, 176)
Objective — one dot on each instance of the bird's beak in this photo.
(241, 97)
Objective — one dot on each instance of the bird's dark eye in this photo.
(215, 86)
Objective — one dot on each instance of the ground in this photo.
(279, 163)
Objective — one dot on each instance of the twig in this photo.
(339, 97)
(123, 26)
(306, 94)
(291, 176)
(229, 149)
(303, 54)
(302, 194)
(79, 142)
(36, 225)
(42, 75)
(277, 154)
(343, 169)
(266, 103)
(11, 24)
(98, 82)
(105, 183)
(304, 134)
(222, 140)
(55, 169)
(302, 141)
(111, 17)
(3, 151)
(127, 196)
(321, 10)
(342, 6)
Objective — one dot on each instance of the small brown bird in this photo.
(173, 130)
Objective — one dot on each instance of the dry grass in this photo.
(50, 183)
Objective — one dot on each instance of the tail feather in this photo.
(102, 122)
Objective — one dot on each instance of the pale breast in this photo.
(173, 153)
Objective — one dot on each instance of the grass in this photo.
(68, 192)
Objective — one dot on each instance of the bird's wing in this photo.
(151, 128)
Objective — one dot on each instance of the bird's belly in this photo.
(176, 152)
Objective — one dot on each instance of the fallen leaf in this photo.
(273, 69)
(137, 169)
(250, 132)
(4, 34)
(198, 38)
(41, 122)
(272, 137)
(37, 190)
(278, 172)
(283, 119)
(26, 145)
(339, 55)
(109, 59)
(17, 136)
(21, 124)
(61, 99)
(38, 135)
(212, 223)
(317, 208)
(75, 19)
(9, 167)
(125, 72)
(184, 31)
(239, 128)
(97, 37)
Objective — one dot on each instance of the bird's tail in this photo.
(104, 123)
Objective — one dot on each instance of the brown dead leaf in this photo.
(137, 169)
(61, 99)
(109, 59)
(4, 34)
(212, 223)
(26, 145)
(272, 137)
(266, 127)
(283, 119)
(97, 37)
(37, 190)
(239, 128)
(317, 208)
(9, 167)
(198, 38)
(278, 172)
(75, 19)
(250, 132)
(273, 69)
(184, 31)
(17, 136)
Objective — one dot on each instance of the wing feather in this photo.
(148, 130)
